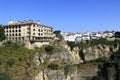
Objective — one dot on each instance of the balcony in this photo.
(40, 39)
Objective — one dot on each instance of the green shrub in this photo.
(10, 62)
(49, 49)
(53, 66)
(117, 34)
(5, 76)
(71, 44)
(57, 33)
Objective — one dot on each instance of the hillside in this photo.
(16, 63)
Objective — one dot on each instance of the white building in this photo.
(77, 37)
(86, 36)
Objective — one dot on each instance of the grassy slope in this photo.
(18, 62)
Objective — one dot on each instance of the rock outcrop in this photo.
(66, 56)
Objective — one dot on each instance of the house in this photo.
(86, 36)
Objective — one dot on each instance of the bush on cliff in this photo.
(92, 43)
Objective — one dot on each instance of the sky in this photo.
(65, 15)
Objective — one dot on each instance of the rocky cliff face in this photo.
(59, 74)
(66, 57)
(99, 51)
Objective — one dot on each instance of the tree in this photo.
(57, 33)
(117, 34)
(2, 33)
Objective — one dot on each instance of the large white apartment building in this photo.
(32, 33)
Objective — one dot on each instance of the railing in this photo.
(41, 40)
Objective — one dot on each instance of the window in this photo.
(29, 25)
(39, 34)
(33, 25)
(19, 26)
(16, 39)
(28, 38)
(33, 33)
(12, 30)
(19, 30)
(10, 27)
(28, 28)
(39, 30)
(28, 33)
(33, 29)
(19, 34)
(19, 38)
(22, 38)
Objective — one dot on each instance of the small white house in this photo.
(86, 36)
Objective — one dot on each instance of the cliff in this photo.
(56, 61)
(71, 64)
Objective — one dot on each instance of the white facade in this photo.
(86, 36)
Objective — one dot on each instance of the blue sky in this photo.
(65, 15)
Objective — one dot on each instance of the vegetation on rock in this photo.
(91, 43)
(54, 65)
